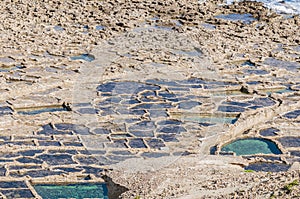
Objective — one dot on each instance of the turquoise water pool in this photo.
(74, 191)
(252, 146)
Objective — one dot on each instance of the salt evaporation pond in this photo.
(268, 167)
(35, 111)
(245, 18)
(77, 191)
(250, 146)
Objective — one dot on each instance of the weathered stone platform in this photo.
(144, 94)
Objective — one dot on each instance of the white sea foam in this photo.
(280, 6)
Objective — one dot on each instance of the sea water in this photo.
(282, 7)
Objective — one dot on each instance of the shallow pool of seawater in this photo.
(250, 146)
(245, 18)
(278, 90)
(99, 27)
(147, 27)
(38, 110)
(297, 48)
(7, 69)
(226, 93)
(248, 63)
(191, 53)
(84, 57)
(212, 120)
(290, 66)
(208, 26)
(255, 72)
(267, 167)
(58, 28)
(76, 191)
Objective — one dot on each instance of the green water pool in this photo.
(74, 191)
(252, 146)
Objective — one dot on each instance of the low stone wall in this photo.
(248, 121)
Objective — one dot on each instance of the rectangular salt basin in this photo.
(38, 110)
(218, 120)
(76, 191)
(226, 93)
(212, 118)
(279, 90)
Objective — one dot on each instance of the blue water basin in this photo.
(250, 146)
(76, 191)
